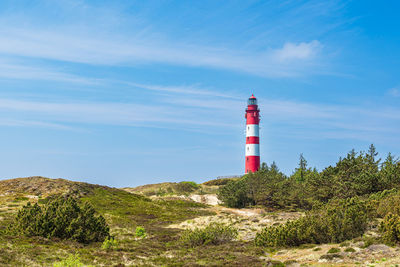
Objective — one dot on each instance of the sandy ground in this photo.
(209, 199)
(247, 221)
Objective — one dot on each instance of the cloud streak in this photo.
(84, 47)
(24, 71)
(180, 110)
(89, 49)
(106, 35)
(301, 51)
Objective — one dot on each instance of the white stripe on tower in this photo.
(252, 130)
(252, 150)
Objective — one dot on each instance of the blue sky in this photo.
(125, 93)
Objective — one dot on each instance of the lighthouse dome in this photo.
(252, 100)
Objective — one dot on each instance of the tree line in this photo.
(357, 174)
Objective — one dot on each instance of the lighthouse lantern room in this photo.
(252, 116)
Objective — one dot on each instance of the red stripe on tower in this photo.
(252, 154)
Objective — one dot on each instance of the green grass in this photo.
(124, 212)
(123, 209)
(173, 189)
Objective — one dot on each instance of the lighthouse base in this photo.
(252, 164)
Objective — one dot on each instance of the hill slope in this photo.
(42, 186)
(164, 218)
(123, 211)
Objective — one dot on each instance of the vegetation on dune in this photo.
(338, 221)
(220, 181)
(339, 200)
(215, 234)
(390, 228)
(109, 243)
(168, 189)
(62, 218)
(338, 203)
(125, 209)
(186, 187)
(43, 187)
(358, 174)
(71, 261)
(140, 232)
(124, 213)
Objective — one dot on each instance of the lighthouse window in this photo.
(252, 101)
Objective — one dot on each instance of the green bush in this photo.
(336, 222)
(140, 232)
(216, 233)
(234, 194)
(109, 244)
(71, 261)
(186, 187)
(389, 204)
(390, 228)
(334, 250)
(349, 250)
(62, 218)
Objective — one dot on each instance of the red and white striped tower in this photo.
(252, 116)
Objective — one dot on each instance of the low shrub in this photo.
(62, 218)
(307, 246)
(212, 234)
(368, 241)
(333, 250)
(71, 261)
(110, 244)
(336, 222)
(18, 199)
(390, 228)
(289, 262)
(389, 204)
(349, 250)
(275, 263)
(331, 256)
(140, 232)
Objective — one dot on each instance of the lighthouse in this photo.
(252, 116)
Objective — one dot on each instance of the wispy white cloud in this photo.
(183, 89)
(35, 124)
(105, 113)
(107, 34)
(25, 71)
(117, 50)
(300, 51)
